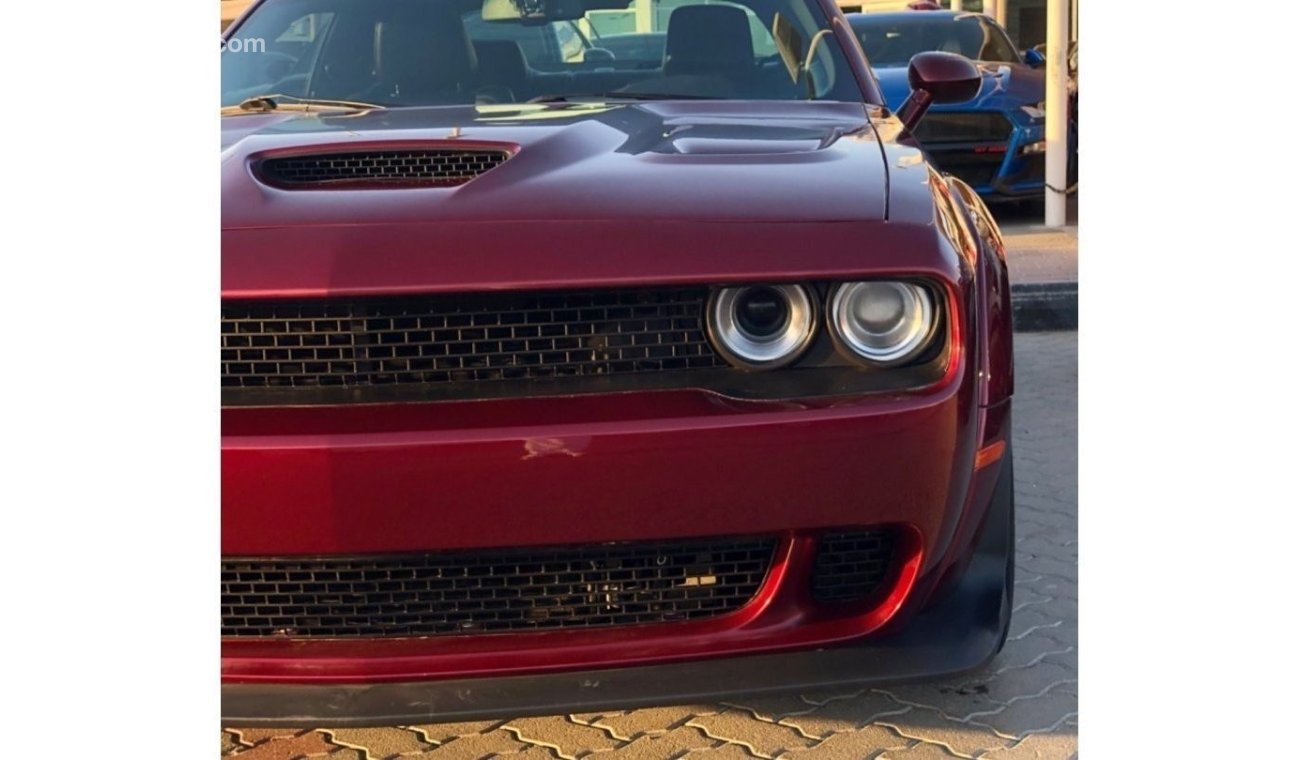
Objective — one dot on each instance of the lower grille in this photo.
(975, 169)
(962, 127)
(1032, 167)
(852, 566)
(490, 591)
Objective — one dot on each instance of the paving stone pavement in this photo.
(1036, 254)
(1024, 705)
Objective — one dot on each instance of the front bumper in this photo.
(1007, 177)
(588, 470)
(617, 467)
(998, 170)
(961, 632)
(414, 478)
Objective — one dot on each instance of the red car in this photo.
(553, 385)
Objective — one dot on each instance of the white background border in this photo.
(1188, 390)
(109, 379)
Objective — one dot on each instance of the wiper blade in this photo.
(272, 102)
(607, 96)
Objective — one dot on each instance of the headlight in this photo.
(762, 326)
(1036, 112)
(1034, 148)
(882, 322)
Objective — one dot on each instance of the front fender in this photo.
(990, 348)
(993, 289)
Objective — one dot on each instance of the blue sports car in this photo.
(994, 142)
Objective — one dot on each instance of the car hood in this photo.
(681, 161)
(1005, 87)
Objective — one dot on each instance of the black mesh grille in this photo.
(950, 127)
(462, 339)
(1032, 167)
(975, 169)
(402, 167)
(496, 591)
(852, 566)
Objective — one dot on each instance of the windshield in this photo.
(892, 41)
(453, 52)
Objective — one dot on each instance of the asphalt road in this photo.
(1025, 705)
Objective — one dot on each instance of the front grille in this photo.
(382, 167)
(1032, 167)
(462, 339)
(975, 169)
(852, 566)
(491, 591)
(962, 127)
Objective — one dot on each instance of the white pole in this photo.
(1000, 12)
(645, 20)
(954, 5)
(1058, 35)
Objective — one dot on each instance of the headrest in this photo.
(425, 49)
(708, 40)
(501, 61)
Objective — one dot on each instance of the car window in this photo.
(890, 41)
(442, 52)
(572, 44)
(283, 54)
(539, 44)
(632, 48)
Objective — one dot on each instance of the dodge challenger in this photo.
(597, 384)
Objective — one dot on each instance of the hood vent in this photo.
(378, 168)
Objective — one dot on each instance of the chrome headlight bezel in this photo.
(914, 334)
(744, 349)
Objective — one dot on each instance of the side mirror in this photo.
(1035, 58)
(937, 78)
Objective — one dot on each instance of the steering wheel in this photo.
(277, 65)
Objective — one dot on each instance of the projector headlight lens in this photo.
(882, 322)
(762, 326)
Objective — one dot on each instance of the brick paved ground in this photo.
(1036, 254)
(1024, 706)
(1044, 266)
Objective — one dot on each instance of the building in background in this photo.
(889, 6)
(1024, 20)
(230, 10)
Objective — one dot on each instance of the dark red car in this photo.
(554, 384)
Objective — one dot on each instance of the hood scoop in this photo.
(742, 140)
(377, 168)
